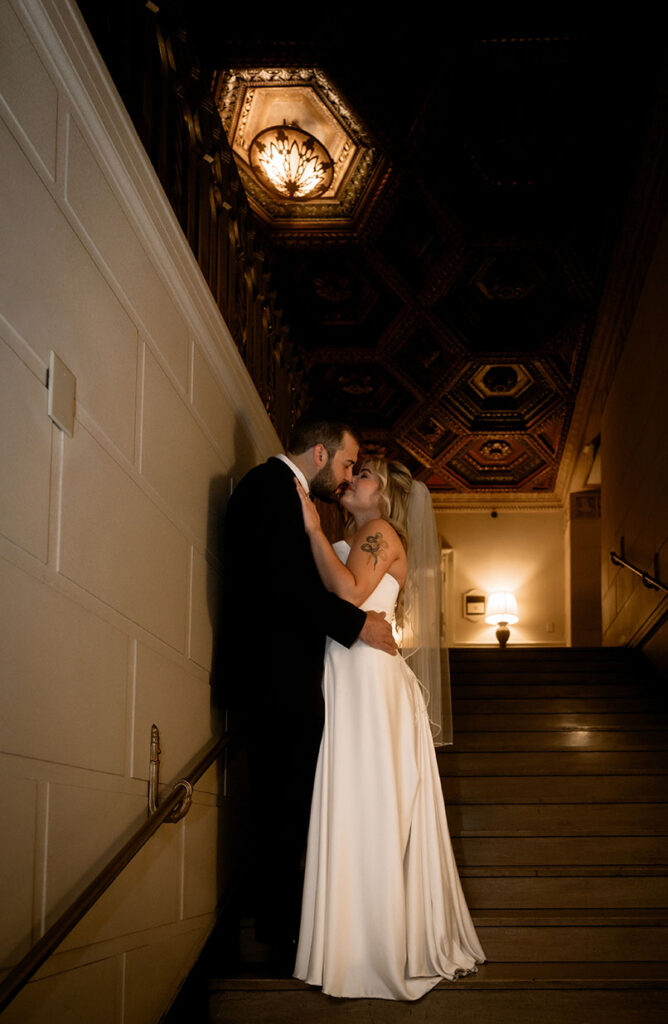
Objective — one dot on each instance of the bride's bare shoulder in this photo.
(373, 527)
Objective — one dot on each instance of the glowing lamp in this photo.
(502, 612)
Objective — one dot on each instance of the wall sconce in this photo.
(502, 612)
(474, 605)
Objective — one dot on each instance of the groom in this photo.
(277, 615)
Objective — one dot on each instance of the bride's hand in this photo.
(309, 511)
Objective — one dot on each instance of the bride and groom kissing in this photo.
(312, 663)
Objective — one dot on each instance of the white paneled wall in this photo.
(108, 539)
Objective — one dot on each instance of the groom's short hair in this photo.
(309, 431)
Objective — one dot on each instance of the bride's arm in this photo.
(373, 550)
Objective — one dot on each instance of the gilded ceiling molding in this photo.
(251, 100)
(444, 501)
(230, 83)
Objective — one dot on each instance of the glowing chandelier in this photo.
(290, 162)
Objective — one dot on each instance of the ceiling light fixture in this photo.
(290, 162)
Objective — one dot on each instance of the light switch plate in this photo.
(62, 386)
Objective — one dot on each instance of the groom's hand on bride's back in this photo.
(377, 632)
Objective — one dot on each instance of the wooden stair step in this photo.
(569, 935)
(533, 652)
(486, 690)
(561, 917)
(533, 656)
(538, 660)
(552, 975)
(576, 739)
(513, 721)
(553, 706)
(530, 1001)
(571, 679)
(573, 850)
(563, 762)
(549, 975)
(548, 789)
(566, 891)
(563, 870)
(558, 819)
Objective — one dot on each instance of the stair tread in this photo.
(540, 789)
(536, 850)
(563, 871)
(551, 762)
(568, 740)
(569, 674)
(513, 917)
(552, 705)
(513, 721)
(536, 653)
(534, 833)
(606, 974)
(486, 690)
(554, 819)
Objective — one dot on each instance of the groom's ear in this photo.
(320, 455)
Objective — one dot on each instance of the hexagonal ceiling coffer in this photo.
(342, 295)
(508, 379)
(423, 357)
(496, 462)
(372, 397)
(429, 436)
(508, 277)
(509, 303)
(250, 100)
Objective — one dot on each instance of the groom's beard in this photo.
(324, 485)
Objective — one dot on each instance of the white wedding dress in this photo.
(383, 912)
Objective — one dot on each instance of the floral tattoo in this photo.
(375, 545)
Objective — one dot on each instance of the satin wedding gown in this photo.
(383, 912)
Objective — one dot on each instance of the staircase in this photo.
(556, 796)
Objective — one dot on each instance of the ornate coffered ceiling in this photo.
(444, 291)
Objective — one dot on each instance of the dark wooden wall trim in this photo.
(167, 95)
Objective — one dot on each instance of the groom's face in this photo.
(330, 482)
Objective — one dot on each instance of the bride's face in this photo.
(363, 493)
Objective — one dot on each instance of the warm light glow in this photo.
(501, 607)
(291, 162)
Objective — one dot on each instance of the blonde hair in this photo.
(395, 482)
(395, 487)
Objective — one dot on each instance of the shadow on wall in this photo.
(231, 769)
(220, 488)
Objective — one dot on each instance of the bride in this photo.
(383, 913)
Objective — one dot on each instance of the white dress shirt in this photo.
(298, 473)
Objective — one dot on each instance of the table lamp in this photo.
(502, 612)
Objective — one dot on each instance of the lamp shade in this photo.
(501, 607)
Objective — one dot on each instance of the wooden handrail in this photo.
(651, 582)
(60, 929)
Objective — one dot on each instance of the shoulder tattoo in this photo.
(376, 547)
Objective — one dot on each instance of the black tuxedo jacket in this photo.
(276, 611)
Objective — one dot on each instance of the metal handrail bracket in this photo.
(651, 582)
